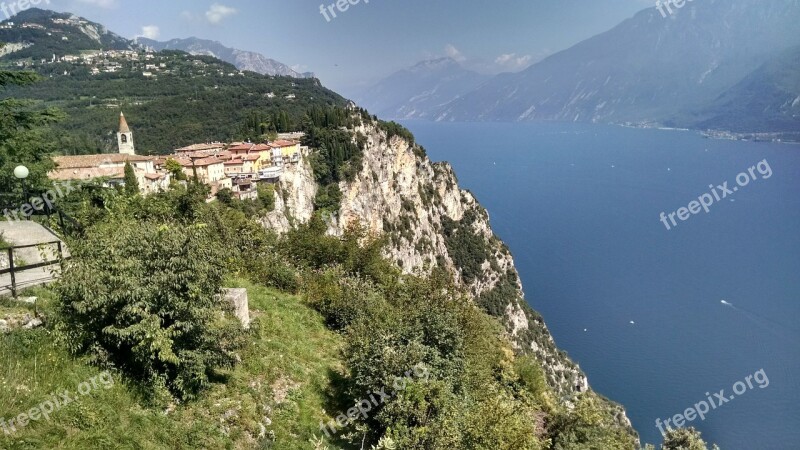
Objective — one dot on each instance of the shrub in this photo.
(467, 249)
(266, 195)
(225, 196)
(144, 297)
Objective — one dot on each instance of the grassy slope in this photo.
(290, 347)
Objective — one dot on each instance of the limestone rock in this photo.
(241, 306)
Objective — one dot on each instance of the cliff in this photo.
(432, 222)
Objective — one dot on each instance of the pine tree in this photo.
(131, 184)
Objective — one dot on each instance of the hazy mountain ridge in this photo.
(418, 91)
(773, 90)
(243, 60)
(648, 69)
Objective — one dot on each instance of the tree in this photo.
(21, 139)
(266, 195)
(225, 196)
(175, 169)
(684, 439)
(144, 297)
(131, 184)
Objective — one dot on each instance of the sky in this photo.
(372, 38)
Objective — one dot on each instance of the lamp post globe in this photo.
(21, 172)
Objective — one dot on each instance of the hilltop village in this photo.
(237, 166)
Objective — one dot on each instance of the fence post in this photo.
(60, 256)
(61, 222)
(11, 267)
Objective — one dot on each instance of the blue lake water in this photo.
(579, 206)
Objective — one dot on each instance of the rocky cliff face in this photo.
(431, 222)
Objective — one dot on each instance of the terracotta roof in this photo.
(241, 147)
(251, 157)
(89, 161)
(207, 162)
(261, 147)
(115, 173)
(201, 147)
(234, 162)
(154, 176)
(283, 143)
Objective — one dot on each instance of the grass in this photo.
(274, 399)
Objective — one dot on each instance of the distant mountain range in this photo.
(243, 60)
(419, 91)
(767, 99)
(718, 64)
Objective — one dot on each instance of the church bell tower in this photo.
(125, 137)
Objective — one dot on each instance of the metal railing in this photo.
(13, 269)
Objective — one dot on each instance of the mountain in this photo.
(179, 100)
(243, 60)
(39, 34)
(418, 91)
(645, 70)
(767, 100)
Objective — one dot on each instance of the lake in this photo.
(660, 319)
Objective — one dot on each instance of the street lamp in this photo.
(22, 172)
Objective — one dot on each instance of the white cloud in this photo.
(218, 12)
(511, 61)
(454, 53)
(151, 32)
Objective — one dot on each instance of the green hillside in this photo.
(57, 33)
(201, 99)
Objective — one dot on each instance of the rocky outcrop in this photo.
(237, 298)
(294, 197)
(431, 222)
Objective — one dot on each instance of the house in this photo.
(289, 150)
(239, 149)
(212, 146)
(234, 167)
(111, 166)
(252, 162)
(245, 189)
(265, 155)
(210, 170)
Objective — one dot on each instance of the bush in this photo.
(144, 297)
(225, 196)
(266, 195)
(467, 249)
(684, 439)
